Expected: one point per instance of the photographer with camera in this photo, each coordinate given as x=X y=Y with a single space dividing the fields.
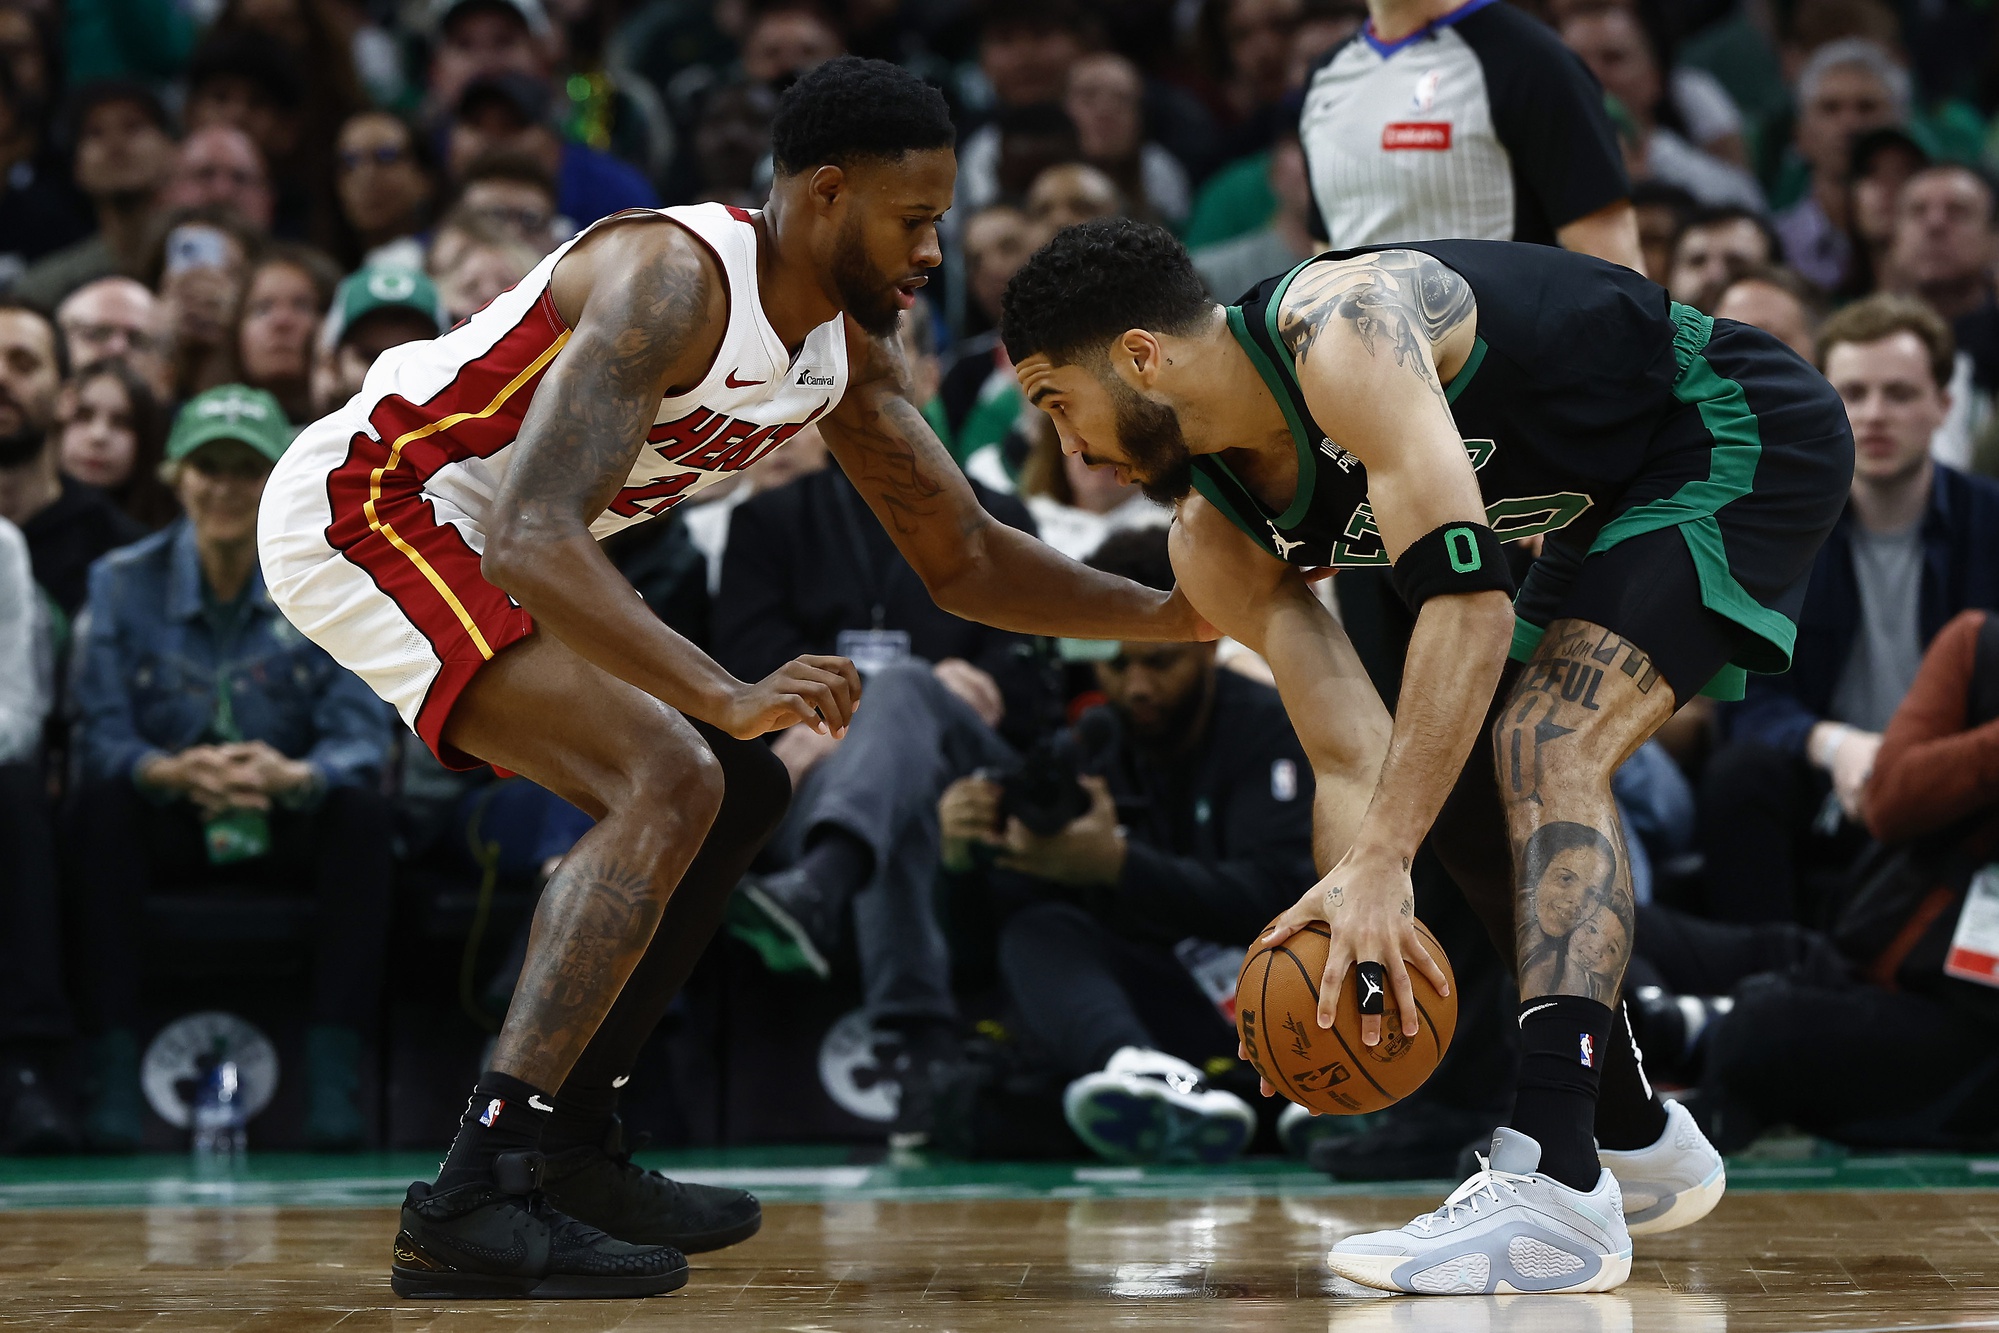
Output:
x=1128 y=863
x=807 y=569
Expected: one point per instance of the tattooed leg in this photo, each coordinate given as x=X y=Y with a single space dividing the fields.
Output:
x=653 y=784
x=1585 y=702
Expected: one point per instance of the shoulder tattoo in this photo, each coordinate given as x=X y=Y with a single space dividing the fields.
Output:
x=1399 y=301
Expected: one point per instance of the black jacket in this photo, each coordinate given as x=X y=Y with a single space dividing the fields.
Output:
x=1218 y=837
x=809 y=560
x=1960 y=572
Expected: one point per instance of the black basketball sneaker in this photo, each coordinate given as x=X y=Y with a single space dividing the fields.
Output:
x=601 y=1185
x=503 y=1240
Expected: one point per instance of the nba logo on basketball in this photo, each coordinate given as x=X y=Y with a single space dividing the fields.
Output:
x=1589 y=1052
x=494 y=1107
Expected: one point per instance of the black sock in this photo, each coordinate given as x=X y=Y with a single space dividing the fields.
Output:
x=1628 y=1114
x=1561 y=1055
x=837 y=864
x=503 y=1116
x=583 y=1113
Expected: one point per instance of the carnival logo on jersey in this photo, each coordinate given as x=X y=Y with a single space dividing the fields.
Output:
x=1423 y=135
x=702 y=442
x=812 y=379
x=1425 y=95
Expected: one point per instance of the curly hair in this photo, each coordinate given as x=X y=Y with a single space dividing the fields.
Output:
x=1094 y=281
x=849 y=109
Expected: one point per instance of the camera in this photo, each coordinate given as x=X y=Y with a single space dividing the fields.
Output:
x=1042 y=792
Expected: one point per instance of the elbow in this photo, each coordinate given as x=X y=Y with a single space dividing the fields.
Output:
x=506 y=565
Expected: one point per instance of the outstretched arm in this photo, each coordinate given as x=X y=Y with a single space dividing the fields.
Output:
x=974 y=565
x=646 y=307
x=1363 y=335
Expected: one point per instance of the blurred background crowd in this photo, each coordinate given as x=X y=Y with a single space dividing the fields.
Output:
x=1031 y=867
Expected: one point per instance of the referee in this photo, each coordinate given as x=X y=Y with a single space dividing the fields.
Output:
x=1444 y=120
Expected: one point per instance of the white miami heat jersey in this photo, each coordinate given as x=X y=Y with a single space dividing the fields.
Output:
x=436 y=421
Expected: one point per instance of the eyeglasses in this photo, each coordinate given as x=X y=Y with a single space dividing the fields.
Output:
x=382 y=155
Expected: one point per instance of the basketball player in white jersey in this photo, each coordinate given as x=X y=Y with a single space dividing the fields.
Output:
x=438 y=536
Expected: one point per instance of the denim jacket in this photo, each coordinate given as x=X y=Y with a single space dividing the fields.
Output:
x=146 y=664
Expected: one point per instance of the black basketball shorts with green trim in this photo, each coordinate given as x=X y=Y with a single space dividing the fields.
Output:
x=1747 y=478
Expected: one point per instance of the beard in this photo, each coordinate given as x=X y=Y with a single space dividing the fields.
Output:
x=1171 y=724
x=21 y=447
x=1149 y=433
x=866 y=293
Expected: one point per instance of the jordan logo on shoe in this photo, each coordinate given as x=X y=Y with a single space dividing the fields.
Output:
x=535 y=1101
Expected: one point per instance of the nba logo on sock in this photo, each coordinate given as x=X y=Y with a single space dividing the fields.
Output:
x=1589 y=1052
x=494 y=1107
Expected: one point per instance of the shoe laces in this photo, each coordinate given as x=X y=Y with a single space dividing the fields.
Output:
x=1485 y=1183
x=562 y=1228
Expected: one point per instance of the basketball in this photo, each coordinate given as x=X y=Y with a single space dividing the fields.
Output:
x=1330 y=1070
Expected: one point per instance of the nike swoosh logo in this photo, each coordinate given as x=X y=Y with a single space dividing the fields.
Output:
x=1535 y=1010
x=621 y=1080
x=538 y=1104
x=729 y=381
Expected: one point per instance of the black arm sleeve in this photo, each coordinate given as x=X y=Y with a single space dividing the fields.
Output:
x=1549 y=112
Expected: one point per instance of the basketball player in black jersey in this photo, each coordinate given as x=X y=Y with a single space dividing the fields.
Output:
x=1414 y=408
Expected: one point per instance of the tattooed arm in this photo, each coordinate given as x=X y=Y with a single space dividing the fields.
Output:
x=1367 y=336
x=647 y=307
x=973 y=565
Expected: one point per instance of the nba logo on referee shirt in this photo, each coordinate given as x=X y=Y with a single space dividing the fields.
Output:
x=494 y=1107
x=1589 y=1052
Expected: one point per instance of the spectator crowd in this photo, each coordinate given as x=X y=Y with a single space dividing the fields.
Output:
x=1038 y=862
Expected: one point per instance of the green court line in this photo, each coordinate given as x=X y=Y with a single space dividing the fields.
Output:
x=820 y=1175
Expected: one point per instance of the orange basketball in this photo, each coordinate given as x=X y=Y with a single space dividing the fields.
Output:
x=1329 y=1069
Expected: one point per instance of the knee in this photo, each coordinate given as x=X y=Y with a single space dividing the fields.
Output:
x=680 y=785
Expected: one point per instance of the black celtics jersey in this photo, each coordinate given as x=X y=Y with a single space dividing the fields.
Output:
x=1571 y=373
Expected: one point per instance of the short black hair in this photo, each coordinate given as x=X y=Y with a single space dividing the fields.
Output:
x=1094 y=281
x=1721 y=215
x=852 y=108
x=262 y=61
x=13 y=305
x=103 y=92
x=1978 y=176
x=1138 y=554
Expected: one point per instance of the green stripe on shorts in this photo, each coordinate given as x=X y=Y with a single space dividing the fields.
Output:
x=1738 y=448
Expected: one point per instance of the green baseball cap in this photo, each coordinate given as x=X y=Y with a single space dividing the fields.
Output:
x=380 y=287
x=231 y=412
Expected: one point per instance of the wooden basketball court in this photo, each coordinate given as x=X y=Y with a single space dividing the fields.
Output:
x=1011 y=1250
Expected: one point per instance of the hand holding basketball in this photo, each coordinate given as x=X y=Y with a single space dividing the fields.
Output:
x=1369 y=905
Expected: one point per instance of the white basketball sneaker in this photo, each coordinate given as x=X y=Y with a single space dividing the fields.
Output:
x=1674 y=1183
x=1148 y=1106
x=1506 y=1229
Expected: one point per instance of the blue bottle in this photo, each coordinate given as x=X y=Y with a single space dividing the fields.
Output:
x=219 y=1117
